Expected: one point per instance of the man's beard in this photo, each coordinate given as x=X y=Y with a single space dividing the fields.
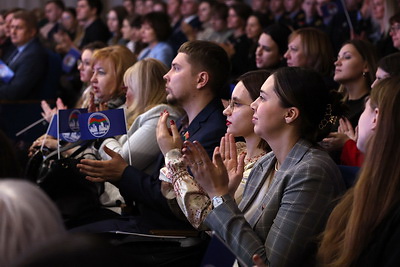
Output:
x=171 y=100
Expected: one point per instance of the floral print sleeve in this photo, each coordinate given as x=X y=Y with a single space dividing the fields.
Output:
x=191 y=198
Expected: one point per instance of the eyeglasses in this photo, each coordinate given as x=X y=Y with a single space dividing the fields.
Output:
x=85 y=63
x=395 y=28
x=233 y=104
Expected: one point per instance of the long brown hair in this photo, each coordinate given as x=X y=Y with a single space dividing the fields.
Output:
x=364 y=207
x=369 y=54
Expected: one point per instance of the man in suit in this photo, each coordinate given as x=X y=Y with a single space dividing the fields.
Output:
x=195 y=81
x=20 y=94
x=53 y=11
x=189 y=20
x=28 y=60
x=88 y=14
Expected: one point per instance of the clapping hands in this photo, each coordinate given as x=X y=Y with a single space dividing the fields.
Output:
x=220 y=176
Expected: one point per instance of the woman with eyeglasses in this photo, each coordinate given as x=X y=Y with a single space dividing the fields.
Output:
x=189 y=195
x=291 y=190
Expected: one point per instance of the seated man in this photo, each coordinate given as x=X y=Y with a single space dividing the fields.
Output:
x=28 y=61
x=195 y=82
x=20 y=91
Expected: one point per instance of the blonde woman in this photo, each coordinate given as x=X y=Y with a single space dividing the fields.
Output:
x=145 y=100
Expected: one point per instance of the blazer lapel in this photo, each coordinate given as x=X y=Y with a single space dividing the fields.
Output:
x=294 y=156
x=256 y=181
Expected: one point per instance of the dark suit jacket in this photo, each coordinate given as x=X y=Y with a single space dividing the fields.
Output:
x=145 y=190
x=177 y=38
x=292 y=213
x=97 y=31
x=29 y=73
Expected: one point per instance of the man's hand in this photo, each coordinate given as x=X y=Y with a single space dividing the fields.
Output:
x=102 y=171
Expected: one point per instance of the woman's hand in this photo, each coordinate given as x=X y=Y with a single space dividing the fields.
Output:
x=48 y=112
x=45 y=141
x=212 y=176
x=94 y=106
x=346 y=128
x=103 y=170
x=235 y=167
x=335 y=141
x=167 y=139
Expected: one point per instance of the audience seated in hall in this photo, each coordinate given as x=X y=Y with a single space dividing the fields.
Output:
x=180 y=185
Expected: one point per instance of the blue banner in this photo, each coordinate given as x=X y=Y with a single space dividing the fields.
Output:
x=102 y=124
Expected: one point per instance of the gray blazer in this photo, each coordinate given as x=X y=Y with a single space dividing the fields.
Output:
x=293 y=212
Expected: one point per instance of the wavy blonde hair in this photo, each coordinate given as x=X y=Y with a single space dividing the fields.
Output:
x=146 y=80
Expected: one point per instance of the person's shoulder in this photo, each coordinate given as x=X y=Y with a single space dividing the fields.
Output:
x=307 y=157
x=158 y=109
x=163 y=46
x=318 y=163
x=214 y=108
x=98 y=23
x=35 y=51
x=315 y=156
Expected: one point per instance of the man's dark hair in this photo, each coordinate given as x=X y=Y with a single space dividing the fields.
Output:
x=209 y=57
x=60 y=4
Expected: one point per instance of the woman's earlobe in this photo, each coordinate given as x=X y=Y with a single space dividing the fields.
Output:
x=375 y=119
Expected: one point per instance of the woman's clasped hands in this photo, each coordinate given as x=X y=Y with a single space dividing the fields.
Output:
x=220 y=176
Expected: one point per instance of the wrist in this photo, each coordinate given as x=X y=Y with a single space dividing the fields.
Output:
x=218 y=193
x=217 y=200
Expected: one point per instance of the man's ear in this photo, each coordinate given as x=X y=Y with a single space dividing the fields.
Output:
x=202 y=79
x=375 y=118
x=291 y=114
